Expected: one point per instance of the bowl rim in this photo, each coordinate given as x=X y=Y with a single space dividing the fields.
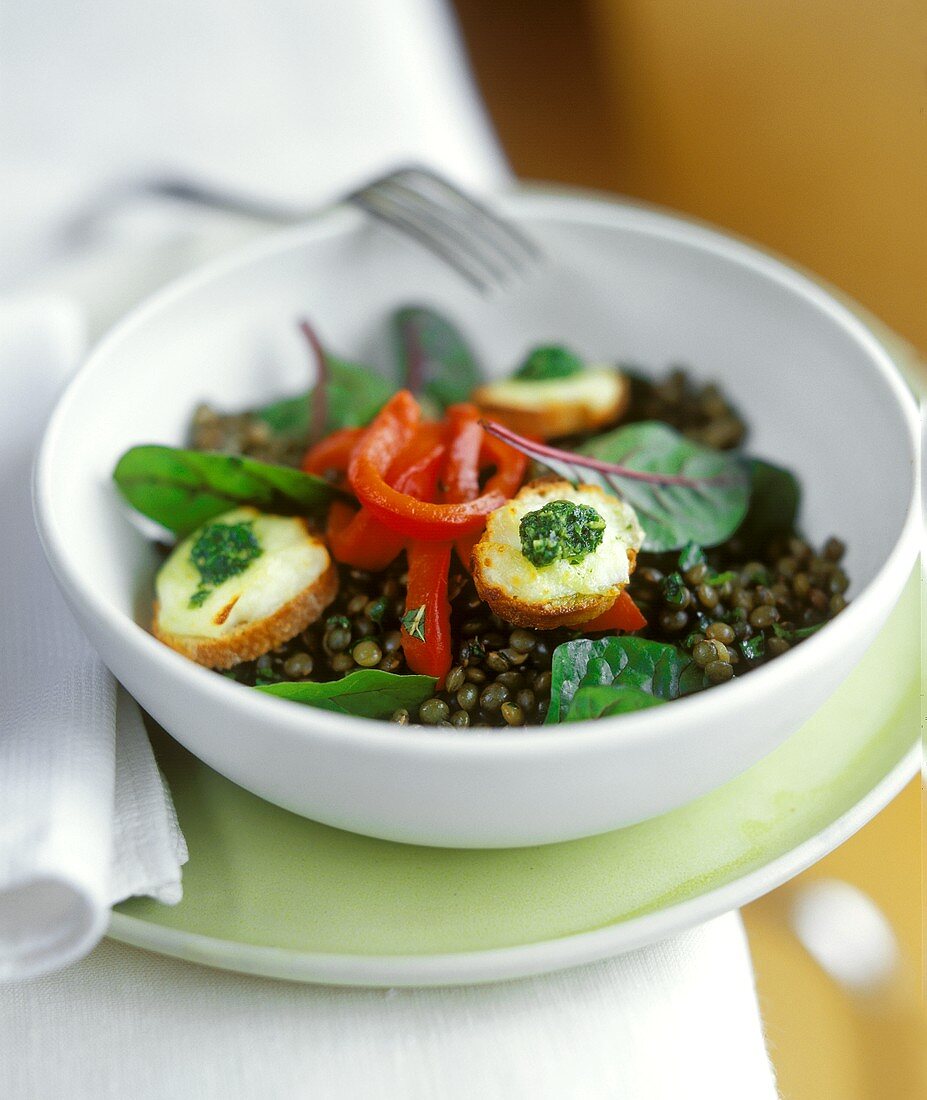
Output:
x=552 y=204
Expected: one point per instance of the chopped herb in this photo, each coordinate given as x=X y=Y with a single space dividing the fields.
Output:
x=753 y=648
x=413 y=622
x=561 y=530
x=703 y=621
x=544 y=364
x=717 y=579
x=691 y=555
x=221 y=551
x=474 y=650
x=674 y=589
x=795 y=634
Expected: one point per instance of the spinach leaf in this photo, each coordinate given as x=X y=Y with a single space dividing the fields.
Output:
x=706 y=505
x=603 y=701
x=183 y=489
x=433 y=358
x=367 y=692
x=353 y=396
x=775 y=496
x=658 y=670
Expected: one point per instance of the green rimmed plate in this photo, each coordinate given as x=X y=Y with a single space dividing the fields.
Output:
x=268 y=892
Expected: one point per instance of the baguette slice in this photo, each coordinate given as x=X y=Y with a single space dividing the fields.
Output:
x=550 y=409
x=283 y=589
x=561 y=593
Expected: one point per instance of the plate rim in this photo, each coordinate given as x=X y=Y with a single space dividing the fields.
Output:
x=522 y=960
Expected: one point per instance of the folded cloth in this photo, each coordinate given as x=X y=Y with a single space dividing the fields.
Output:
x=84 y=822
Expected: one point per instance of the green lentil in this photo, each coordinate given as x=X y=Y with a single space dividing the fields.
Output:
x=513 y=714
x=719 y=671
x=367 y=653
x=433 y=711
x=455 y=678
x=493 y=696
x=299 y=666
x=522 y=640
x=468 y=696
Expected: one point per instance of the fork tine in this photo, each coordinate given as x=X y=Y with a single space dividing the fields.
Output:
x=389 y=213
x=520 y=241
x=442 y=221
x=487 y=250
x=478 y=234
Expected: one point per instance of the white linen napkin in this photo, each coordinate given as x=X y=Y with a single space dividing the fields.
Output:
x=674 y=1021
x=84 y=822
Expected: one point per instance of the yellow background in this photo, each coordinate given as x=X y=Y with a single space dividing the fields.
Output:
x=801 y=124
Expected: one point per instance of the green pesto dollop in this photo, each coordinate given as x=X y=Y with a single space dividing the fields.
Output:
x=561 y=530
x=222 y=550
x=545 y=364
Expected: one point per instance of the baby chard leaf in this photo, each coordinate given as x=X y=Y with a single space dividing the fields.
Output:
x=704 y=498
x=433 y=358
x=183 y=489
x=354 y=394
x=366 y=692
x=775 y=497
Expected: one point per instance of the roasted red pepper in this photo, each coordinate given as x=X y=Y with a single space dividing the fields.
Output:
x=460 y=478
x=333 y=452
x=358 y=539
x=622 y=615
x=374 y=454
x=426 y=626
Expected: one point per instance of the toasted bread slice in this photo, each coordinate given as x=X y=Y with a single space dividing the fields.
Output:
x=561 y=593
x=283 y=582
x=549 y=409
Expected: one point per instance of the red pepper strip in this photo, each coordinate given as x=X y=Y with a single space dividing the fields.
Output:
x=333 y=452
x=464 y=547
x=401 y=512
x=622 y=615
x=358 y=539
x=427 y=646
x=510 y=465
x=469 y=447
x=460 y=478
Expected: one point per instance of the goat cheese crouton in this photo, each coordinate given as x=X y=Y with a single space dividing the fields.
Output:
x=558 y=582
x=241 y=585
x=555 y=407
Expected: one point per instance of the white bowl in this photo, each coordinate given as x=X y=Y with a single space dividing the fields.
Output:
x=821 y=394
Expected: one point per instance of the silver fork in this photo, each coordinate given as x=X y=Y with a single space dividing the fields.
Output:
x=486 y=249
x=490 y=251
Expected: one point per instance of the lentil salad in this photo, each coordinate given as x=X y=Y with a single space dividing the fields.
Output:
x=699 y=611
